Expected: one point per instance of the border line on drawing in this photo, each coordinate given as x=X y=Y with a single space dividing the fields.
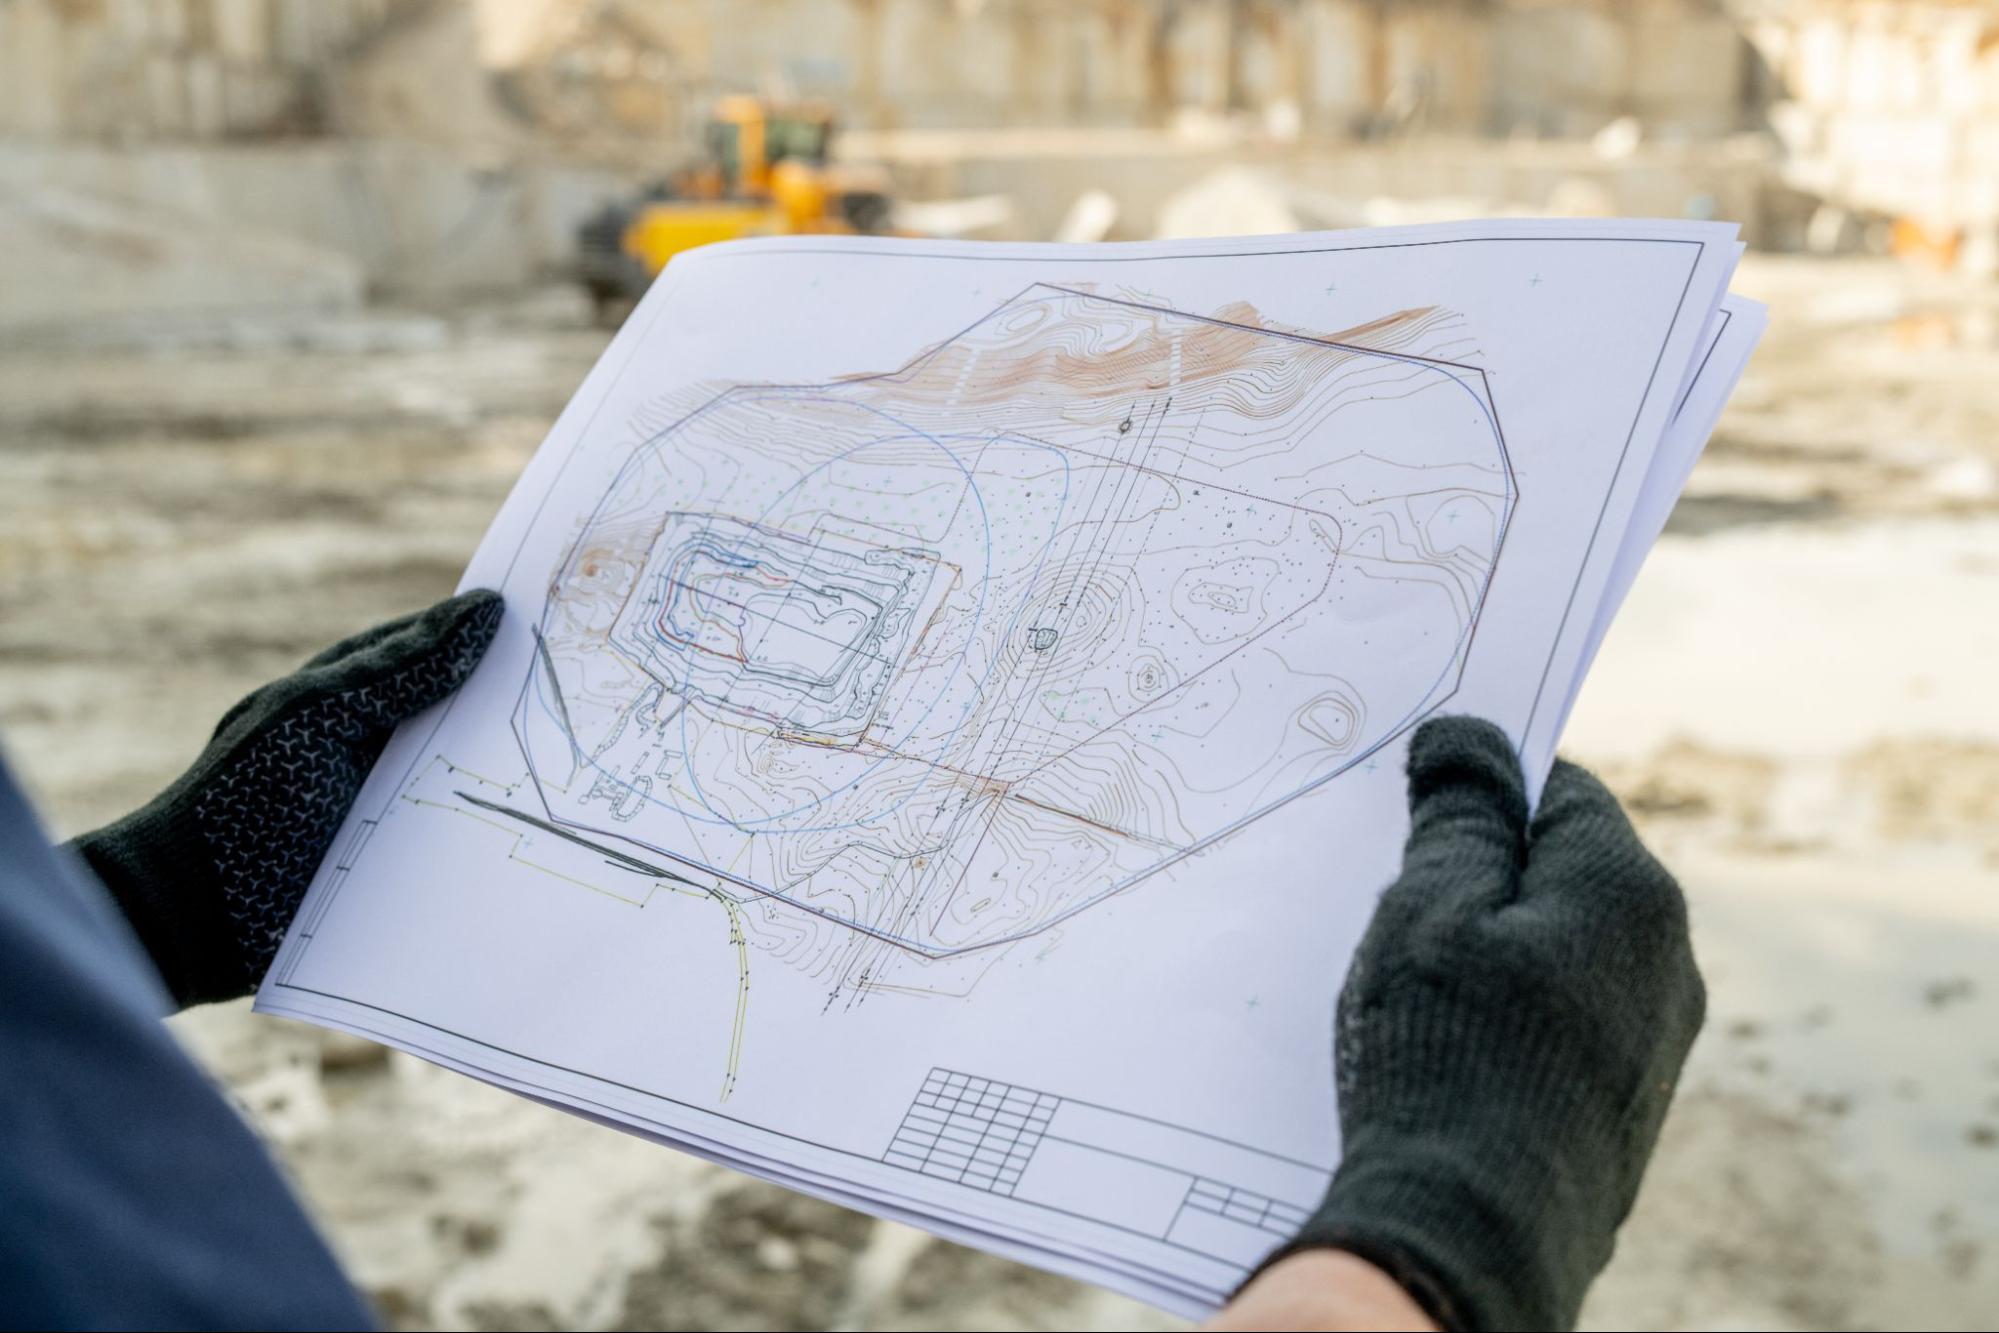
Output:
x=628 y=1117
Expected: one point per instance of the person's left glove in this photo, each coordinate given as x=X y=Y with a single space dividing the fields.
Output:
x=210 y=873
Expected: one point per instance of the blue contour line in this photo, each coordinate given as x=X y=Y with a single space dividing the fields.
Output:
x=666 y=622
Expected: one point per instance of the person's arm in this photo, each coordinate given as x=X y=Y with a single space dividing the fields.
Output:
x=131 y=1195
x=210 y=872
x=135 y=1197
x=1506 y=1044
x=1323 y=1289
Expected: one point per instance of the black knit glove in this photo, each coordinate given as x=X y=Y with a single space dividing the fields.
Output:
x=1507 y=1041
x=211 y=871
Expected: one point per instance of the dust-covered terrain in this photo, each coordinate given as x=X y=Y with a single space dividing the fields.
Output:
x=1796 y=705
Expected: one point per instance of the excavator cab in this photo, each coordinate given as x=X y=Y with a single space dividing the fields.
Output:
x=765 y=170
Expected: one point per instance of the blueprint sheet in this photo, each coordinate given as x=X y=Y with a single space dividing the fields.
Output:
x=946 y=736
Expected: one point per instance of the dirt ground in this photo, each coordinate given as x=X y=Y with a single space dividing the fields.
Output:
x=1796 y=705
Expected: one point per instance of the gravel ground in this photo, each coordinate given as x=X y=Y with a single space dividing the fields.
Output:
x=1796 y=706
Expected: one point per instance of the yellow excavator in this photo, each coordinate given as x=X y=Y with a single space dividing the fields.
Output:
x=766 y=170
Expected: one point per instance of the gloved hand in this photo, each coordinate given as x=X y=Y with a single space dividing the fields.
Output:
x=210 y=873
x=1507 y=1041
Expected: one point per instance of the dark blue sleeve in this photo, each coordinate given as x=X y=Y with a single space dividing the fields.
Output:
x=131 y=1195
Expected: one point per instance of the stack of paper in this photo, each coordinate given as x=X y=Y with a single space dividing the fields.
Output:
x=946 y=736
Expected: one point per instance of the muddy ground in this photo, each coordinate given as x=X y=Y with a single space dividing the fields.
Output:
x=1796 y=704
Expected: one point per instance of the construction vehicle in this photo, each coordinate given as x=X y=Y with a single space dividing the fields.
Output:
x=766 y=170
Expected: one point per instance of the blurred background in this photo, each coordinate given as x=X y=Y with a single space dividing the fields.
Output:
x=290 y=290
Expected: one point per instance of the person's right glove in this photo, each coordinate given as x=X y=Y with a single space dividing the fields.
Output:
x=1507 y=1041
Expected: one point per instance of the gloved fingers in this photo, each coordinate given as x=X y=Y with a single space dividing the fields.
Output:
x=1467 y=809
x=367 y=638
x=417 y=664
x=1574 y=794
x=1583 y=852
x=368 y=683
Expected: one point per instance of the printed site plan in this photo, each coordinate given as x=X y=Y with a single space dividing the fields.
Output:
x=945 y=739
